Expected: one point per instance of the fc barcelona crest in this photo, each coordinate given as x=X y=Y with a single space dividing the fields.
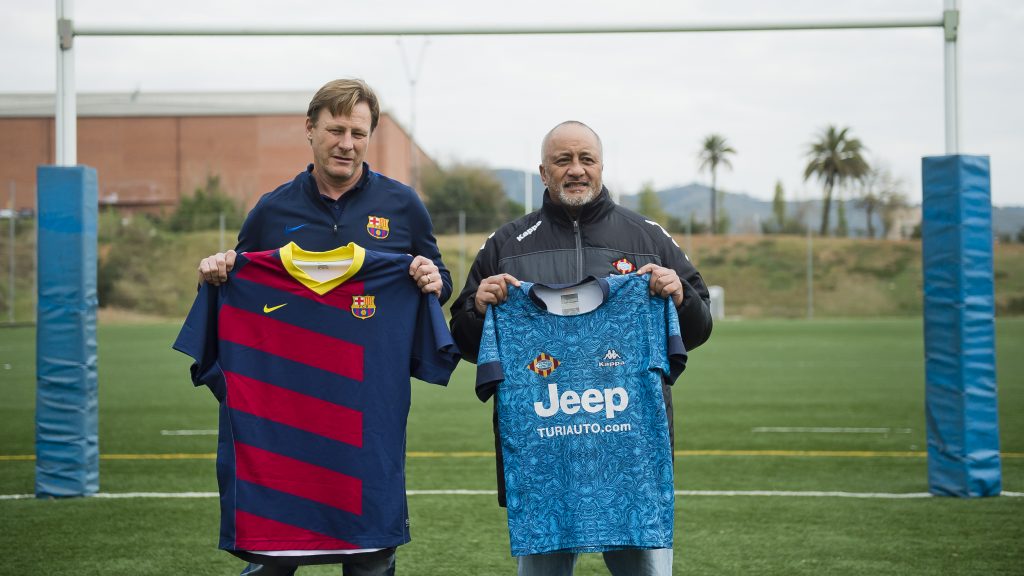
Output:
x=363 y=307
x=377 y=227
x=544 y=364
x=623 y=266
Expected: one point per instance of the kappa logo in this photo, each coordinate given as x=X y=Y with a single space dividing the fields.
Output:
x=544 y=364
x=377 y=227
x=269 y=309
x=363 y=307
x=529 y=231
x=611 y=359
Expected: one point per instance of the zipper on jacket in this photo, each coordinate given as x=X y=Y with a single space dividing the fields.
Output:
x=579 y=250
x=336 y=212
x=333 y=210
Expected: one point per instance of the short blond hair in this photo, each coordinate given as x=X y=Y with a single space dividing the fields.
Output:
x=341 y=96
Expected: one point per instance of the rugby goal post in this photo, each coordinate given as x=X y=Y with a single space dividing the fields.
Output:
x=958 y=302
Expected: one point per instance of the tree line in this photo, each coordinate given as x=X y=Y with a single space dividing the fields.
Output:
x=835 y=158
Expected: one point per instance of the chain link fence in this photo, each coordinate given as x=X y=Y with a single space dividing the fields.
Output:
x=146 y=268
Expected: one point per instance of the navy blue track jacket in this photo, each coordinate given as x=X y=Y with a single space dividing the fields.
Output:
x=378 y=213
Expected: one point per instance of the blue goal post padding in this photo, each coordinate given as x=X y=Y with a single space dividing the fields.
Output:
x=959 y=327
x=67 y=450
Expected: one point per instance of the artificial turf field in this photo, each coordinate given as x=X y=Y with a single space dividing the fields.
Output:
x=752 y=375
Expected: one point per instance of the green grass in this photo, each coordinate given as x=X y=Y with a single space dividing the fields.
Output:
x=852 y=373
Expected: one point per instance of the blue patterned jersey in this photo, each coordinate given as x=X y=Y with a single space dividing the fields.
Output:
x=581 y=416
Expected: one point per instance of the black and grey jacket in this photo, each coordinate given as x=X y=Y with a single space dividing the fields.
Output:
x=550 y=246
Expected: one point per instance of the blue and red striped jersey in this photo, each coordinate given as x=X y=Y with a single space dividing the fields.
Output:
x=310 y=355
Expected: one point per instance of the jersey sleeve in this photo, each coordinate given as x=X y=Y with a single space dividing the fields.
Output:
x=434 y=354
x=488 y=370
x=668 y=354
x=198 y=339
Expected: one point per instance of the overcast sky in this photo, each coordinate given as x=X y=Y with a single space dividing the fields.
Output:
x=652 y=98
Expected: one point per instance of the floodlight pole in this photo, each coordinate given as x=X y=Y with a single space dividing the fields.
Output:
x=11 y=291
x=527 y=192
x=413 y=75
x=810 y=269
x=66 y=115
x=950 y=26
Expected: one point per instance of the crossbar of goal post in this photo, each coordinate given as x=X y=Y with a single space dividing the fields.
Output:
x=67 y=31
x=963 y=460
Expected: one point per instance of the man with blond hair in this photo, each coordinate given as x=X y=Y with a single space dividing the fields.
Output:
x=335 y=201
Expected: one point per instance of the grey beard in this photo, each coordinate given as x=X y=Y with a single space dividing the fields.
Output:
x=576 y=201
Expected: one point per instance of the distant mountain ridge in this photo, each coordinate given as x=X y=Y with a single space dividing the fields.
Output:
x=746 y=212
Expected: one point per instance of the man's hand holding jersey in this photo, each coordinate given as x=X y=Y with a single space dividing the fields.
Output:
x=664 y=282
x=426 y=275
x=492 y=291
x=214 y=269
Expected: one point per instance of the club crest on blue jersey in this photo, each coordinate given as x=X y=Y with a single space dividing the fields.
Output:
x=544 y=364
x=363 y=307
x=623 y=266
x=377 y=227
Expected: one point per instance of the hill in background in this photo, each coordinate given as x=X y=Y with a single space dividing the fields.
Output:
x=746 y=212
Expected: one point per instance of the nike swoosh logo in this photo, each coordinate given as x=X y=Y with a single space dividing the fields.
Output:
x=288 y=230
x=269 y=309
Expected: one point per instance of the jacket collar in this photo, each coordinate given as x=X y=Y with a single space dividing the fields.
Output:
x=595 y=210
x=314 y=191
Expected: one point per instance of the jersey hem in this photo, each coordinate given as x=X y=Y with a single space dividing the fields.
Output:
x=577 y=548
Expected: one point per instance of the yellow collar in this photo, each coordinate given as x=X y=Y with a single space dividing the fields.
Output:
x=351 y=251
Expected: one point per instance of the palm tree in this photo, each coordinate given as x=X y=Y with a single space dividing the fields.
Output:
x=834 y=159
x=713 y=153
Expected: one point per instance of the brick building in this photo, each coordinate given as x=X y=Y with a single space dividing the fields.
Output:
x=149 y=150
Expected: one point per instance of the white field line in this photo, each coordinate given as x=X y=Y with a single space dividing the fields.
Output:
x=810 y=494
x=119 y=495
x=806 y=494
x=188 y=432
x=828 y=430
x=451 y=492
